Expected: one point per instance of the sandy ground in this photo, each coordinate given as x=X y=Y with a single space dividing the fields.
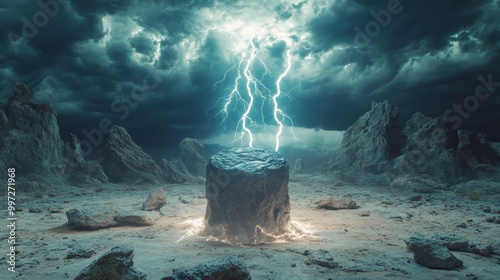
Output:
x=366 y=247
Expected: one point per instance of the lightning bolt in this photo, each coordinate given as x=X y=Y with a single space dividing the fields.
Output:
x=243 y=64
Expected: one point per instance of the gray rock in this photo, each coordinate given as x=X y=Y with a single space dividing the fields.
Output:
x=192 y=154
x=429 y=253
x=451 y=241
x=321 y=258
x=35 y=210
x=477 y=188
x=336 y=204
x=228 y=267
x=372 y=141
x=175 y=171
x=124 y=161
x=92 y=218
x=117 y=264
x=136 y=218
x=156 y=200
x=29 y=137
x=247 y=195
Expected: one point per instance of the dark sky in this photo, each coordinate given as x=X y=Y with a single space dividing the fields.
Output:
x=158 y=67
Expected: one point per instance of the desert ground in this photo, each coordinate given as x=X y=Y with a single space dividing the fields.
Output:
x=367 y=242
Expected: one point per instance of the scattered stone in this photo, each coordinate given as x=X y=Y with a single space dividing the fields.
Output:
x=80 y=252
x=497 y=220
x=125 y=162
x=35 y=210
x=55 y=210
x=228 y=267
x=415 y=198
x=364 y=214
x=136 y=218
x=93 y=218
x=156 y=200
x=336 y=204
x=431 y=254
x=321 y=258
x=481 y=249
x=491 y=219
x=487 y=210
x=192 y=153
x=183 y=201
x=417 y=184
x=247 y=195
x=461 y=225
x=387 y=202
x=117 y=264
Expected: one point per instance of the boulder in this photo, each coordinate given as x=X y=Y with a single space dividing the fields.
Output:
x=125 y=162
x=174 y=171
x=192 y=154
x=417 y=184
x=477 y=188
x=156 y=200
x=92 y=218
x=29 y=136
x=372 y=141
x=228 y=267
x=430 y=253
x=247 y=196
x=117 y=264
x=135 y=218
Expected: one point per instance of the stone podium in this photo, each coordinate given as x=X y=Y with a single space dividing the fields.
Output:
x=247 y=196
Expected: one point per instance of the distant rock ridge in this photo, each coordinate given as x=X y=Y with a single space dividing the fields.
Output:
x=426 y=149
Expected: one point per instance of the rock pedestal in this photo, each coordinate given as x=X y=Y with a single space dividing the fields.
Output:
x=247 y=193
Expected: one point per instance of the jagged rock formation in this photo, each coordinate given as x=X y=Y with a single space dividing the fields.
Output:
x=117 y=264
x=428 y=154
x=247 y=196
x=81 y=171
x=124 y=161
x=192 y=154
x=175 y=171
x=228 y=267
x=298 y=168
x=372 y=141
x=430 y=253
x=29 y=136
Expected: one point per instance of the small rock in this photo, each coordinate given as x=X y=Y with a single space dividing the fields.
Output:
x=415 y=198
x=183 y=201
x=487 y=210
x=461 y=225
x=364 y=214
x=431 y=254
x=336 y=204
x=481 y=249
x=293 y=265
x=321 y=258
x=35 y=210
x=387 y=202
x=497 y=221
x=228 y=267
x=156 y=200
x=80 y=252
x=113 y=265
x=491 y=219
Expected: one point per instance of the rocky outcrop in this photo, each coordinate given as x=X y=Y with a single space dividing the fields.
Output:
x=82 y=172
x=247 y=196
x=299 y=168
x=228 y=267
x=117 y=264
x=125 y=162
x=372 y=141
x=29 y=136
x=192 y=154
